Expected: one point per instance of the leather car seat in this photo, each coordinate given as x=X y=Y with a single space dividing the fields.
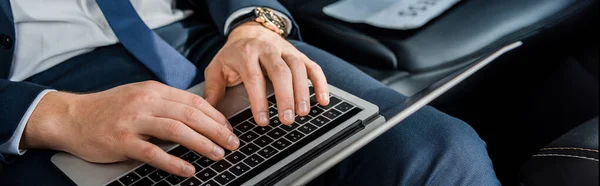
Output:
x=411 y=60
x=572 y=159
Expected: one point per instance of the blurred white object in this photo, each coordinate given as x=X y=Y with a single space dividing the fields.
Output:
x=391 y=14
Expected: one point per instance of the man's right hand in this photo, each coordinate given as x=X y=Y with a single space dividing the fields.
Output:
x=114 y=125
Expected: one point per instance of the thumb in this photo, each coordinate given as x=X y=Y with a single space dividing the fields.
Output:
x=214 y=85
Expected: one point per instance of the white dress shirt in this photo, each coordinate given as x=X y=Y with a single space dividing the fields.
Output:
x=50 y=32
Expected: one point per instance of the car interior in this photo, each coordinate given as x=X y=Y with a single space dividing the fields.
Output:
x=535 y=107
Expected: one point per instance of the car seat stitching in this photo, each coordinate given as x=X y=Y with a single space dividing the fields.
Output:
x=564 y=155
x=568 y=148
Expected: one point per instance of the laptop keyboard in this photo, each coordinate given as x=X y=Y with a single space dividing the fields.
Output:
x=260 y=147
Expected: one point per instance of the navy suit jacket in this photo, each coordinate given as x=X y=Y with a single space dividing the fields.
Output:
x=16 y=97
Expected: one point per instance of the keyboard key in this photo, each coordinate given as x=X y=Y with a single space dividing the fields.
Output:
x=262 y=130
x=276 y=133
x=289 y=127
x=344 y=107
x=197 y=167
x=158 y=175
x=205 y=162
x=162 y=183
x=239 y=169
x=315 y=111
x=249 y=149
x=332 y=102
x=320 y=121
x=115 y=183
x=313 y=100
x=272 y=99
x=263 y=141
x=224 y=178
x=237 y=132
x=174 y=179
x=144 y=170
x=272 y=111
x=245 y=126
x=311 y=90
x=211 y=183
x=191 y=182
x=267 y=152
x=248 y=136
x=227 y=152
x=302 y=119
x=242 y=116
x=206 y=174
x=294 y=136
x=331 y=114
x=281 y=144
x=178 y=151
x=129 y=178
x=254 y=160
x=220 y=166
x=143 y=182
x=190 y=157
x=275 y=121
x=235 y=157
x=307 y=129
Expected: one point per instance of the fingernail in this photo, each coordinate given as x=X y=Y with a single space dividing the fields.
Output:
x=303 y=106
x=188 y=169
x=325 y=97
x=233 y=141
x=263 y=118
x=218 y=152
x=288 y=115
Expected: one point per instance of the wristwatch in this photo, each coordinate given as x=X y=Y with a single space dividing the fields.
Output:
x=266 y=17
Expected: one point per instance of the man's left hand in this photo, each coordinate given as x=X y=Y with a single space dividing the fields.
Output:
x=251 y=52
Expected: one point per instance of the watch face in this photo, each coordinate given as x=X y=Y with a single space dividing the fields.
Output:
x=271 y=20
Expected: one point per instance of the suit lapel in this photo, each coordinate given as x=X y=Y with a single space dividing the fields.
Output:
x=5 y=6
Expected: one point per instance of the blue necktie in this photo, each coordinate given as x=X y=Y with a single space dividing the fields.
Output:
x=163 y=60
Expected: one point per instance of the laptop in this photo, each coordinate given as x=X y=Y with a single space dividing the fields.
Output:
x=277 y=154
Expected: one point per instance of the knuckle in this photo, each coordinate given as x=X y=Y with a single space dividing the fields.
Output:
x=149 y=83
x=255 y=76
x=142 y=97
x=294 y=61
x=190 y=113
x=121 y=136
x=222 y=132
x=198 y=101
x=314 y=66
x=281 y=69
x=128 y=118
x=149 y=153
x=174 y=129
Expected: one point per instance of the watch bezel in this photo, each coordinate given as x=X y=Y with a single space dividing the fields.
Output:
x=270 y=20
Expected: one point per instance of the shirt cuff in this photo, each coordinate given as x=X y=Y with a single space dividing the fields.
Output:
x=246 y=10
x=12 y=145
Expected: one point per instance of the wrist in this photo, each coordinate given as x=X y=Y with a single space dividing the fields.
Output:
x=48 y=125
x=250 y=29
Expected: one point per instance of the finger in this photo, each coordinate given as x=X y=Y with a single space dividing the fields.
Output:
x=280 y=75
x=300 y=79
x=254 y=82
x=319 y=82
x=177 y=132
x=153 y=155
x=214 y=84
x=190 y=117
x=193 y=100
